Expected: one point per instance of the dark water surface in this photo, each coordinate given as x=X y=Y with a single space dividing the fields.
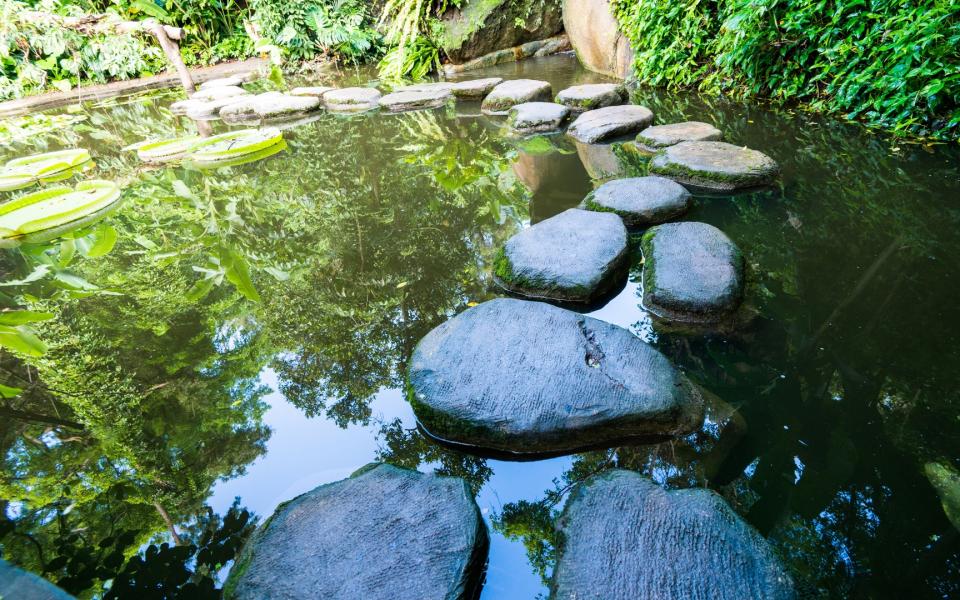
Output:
x=246 y=338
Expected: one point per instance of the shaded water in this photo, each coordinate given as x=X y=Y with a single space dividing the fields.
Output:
x=246 y=338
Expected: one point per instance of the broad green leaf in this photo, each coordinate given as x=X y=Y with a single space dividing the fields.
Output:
x=238 y=273
x=199 y=290
x=7 y=391
x=106 y=239
x=20 y=317
x=39 y=273
x=22 y=340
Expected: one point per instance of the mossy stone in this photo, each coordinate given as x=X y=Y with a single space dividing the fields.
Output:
x=715 y=166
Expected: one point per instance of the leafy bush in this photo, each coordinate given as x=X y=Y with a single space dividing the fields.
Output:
x=335 y=28
x=894 y=64
x=411 y=30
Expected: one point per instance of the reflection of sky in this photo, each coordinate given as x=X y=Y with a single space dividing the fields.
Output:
x=303 y=453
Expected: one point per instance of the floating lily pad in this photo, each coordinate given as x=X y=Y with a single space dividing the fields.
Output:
x=234 y=144
x=22 y=172
x=53 y=209
x=240 y=160
x=166 y=150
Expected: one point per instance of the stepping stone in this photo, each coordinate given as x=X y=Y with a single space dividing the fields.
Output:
x=181 y=107
x=232 y=80
x=354 y=99
x=510 y=93
x=692 y=272
x=611 y=122
x=537 y=117
x=475 y=89
x=216 y=93
x=576 y=256
x=416 y=100
x=383 y=533
x=654 y=138
x=211 y=109
x=715 y=166
x=641 y=201
x=430 y=86
x=316 y=91
x=23 y=585
x=270 y=105
x=626 y=538
x=530 y=378
x=592 y=96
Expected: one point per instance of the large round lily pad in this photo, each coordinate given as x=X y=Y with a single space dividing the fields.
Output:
x=524 y=377
x=22 y=172
x=576 y=256
x=715 y=166
x=641 y=201
x=233 y=144
x=54 y=207
x=383 y=533
x=626 y=538
x=166 y=150
x=516 y=91
x=609 y=123
x=692 y=272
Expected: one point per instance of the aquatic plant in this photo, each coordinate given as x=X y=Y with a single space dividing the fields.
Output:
x=21 y=172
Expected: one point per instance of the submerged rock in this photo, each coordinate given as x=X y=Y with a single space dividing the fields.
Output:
x=354 y=99
x=531 y=378
x=626 y=538
x=517 y=91
x=315 y=91
x=217 y=93
x=416 y=100
x=17 y=584
x=604 y=124
x=715 y=166
x=537 y=117
x=271 y=105
x=591 y=96
x=654 y=138
x=641 y=201
x=383 y=533
x=475 y=89
x=692 y=272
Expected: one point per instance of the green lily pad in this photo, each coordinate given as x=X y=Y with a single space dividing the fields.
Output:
x=234 y=144
x=239 y=160
x=54 y=208
x=166 y=150
x=22 y=172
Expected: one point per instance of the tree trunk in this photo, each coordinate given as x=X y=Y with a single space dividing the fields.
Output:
x=172 y=50
x=25 y=415
x=170 y=526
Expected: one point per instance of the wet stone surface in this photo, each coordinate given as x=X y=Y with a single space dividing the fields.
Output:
x=591 y=96
x=641 y=201
x=270 y=105
x=416 y=100
x=354 y=99
x=575 y=256
x=525 y=377
x=316 y=91
x=537 y=117
x=626 y=538
x=383 y=533
x=517 y=91
x=475 y=89
x=715 y=165
x=609 y=123
x=654 y=138
x=692 y=272
x=218 y=92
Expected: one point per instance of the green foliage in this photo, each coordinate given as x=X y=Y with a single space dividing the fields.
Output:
x=334 y=28
x=891 y=64
x=412 y=32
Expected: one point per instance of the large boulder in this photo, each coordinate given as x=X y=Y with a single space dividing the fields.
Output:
x=596 y=37
x=641 y=201
x=609 y=123
x=383 y=533
x=627 y=538
x=576 y=256
x=516 y=91
x=21 y=585
x=692 y=272
x=480 y=27
x=530 y=378
x=715 y=166
x=537 y=117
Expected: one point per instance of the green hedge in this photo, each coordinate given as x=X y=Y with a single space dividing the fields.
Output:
x=893 y=64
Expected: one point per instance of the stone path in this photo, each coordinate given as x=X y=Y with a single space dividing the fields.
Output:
x=641 y=201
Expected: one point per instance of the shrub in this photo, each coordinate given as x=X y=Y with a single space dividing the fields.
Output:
x=336 y=28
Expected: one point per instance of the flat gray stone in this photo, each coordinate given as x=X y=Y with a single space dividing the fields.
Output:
x=592 y=96
x=217 y=93
x=537 y=117
x=181 y=107
x=203 y=110
x=316 y=91
x=654 y=138
x=354 y=99
x=692 y=272
x=15 y=583
x=576 y=256
x=270 y=105
x=475 y=89
x=604 y=124
x=383 y=533
x=715 y=166
x=626 y=538
x=428 y=86
x=641 y=201
x=232 y=80
x=530 y=378
x=416 y=100
x=517 y=91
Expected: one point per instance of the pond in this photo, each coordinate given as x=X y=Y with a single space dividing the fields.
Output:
x=243 y=332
